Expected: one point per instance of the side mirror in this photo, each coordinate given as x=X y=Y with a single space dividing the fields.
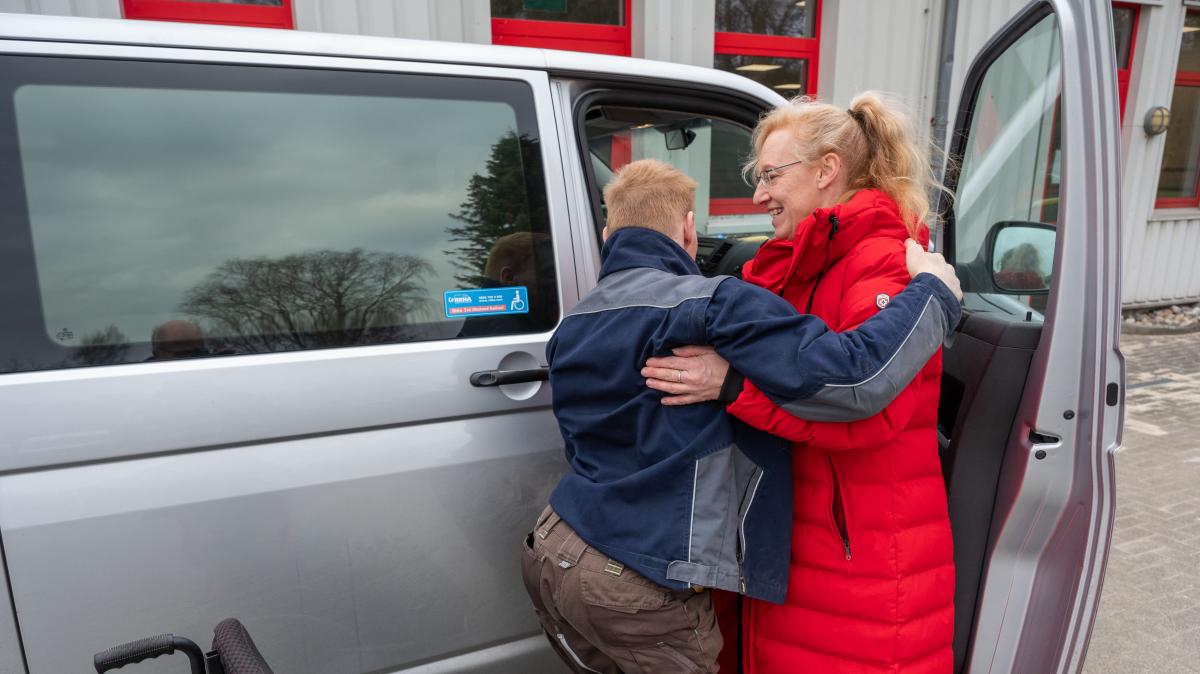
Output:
x=679 y=139
x=1021 y=257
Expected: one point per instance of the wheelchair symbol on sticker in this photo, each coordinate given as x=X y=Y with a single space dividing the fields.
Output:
x=518 y=304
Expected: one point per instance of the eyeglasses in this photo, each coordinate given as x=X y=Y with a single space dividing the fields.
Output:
x=766 y=178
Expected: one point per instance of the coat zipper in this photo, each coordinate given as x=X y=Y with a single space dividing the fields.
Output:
x=838 y=506
x=833 y=229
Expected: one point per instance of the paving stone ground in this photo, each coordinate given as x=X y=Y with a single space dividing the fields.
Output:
x=1149 y=617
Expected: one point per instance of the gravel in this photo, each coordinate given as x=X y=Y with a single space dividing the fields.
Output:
x=1177 y=316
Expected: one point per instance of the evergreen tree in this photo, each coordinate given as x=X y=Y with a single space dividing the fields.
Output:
x=508 y=198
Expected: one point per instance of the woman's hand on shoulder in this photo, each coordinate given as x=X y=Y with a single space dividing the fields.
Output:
x=921 y=261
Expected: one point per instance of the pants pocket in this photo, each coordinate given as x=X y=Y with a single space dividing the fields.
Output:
x=662 y=657
x=628 y=593
x=531 y=572
x=662 y=629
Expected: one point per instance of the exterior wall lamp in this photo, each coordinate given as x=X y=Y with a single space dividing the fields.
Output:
x=1157 y=120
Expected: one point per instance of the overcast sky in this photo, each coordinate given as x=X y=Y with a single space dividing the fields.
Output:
x=136 y=194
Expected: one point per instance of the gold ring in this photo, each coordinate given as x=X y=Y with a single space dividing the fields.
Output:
x=678 y=376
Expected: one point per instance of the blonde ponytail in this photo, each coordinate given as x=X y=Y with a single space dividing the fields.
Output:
x=875 y=139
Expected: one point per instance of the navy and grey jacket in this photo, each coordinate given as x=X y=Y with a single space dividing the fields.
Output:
x=686 y=495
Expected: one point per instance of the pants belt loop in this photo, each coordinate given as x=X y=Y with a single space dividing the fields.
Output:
x=570 y=550
x=551 y=520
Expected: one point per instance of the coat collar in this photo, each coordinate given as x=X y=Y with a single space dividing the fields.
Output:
x=632 y=247
x=824 y=237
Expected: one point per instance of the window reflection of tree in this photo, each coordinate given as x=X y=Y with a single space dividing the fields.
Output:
x=506 y=221
x=102 y=347
x=501 y=201
x=316 y=299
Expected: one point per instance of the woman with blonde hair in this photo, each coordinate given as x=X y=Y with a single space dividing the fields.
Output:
x=871 y=583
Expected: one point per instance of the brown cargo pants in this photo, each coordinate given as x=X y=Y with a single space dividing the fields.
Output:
x=603 y=617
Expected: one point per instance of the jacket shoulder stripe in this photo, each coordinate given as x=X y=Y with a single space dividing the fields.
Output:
x=858 y=400
x=645 y=287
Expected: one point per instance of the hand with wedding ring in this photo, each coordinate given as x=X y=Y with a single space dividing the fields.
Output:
x=694 y=374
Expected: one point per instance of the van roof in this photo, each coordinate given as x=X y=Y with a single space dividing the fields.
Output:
x=185 y=35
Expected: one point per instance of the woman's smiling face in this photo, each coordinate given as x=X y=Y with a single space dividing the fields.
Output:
x=792 y=193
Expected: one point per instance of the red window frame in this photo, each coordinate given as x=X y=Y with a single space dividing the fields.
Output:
x=776 y=45
x=749 y=44
x=190 y=11
x=567 y=35
x=1124 y=68
x=1183 y=79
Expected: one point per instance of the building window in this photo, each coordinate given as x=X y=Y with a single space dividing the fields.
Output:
x=597 y=26
x=1180 y=173
x=773 y=42
x=256 y=13
x=1125 y=20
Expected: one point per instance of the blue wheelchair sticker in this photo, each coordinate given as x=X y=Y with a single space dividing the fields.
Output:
x=486 y=302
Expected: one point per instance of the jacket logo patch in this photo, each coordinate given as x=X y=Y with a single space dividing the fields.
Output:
x=882 y=300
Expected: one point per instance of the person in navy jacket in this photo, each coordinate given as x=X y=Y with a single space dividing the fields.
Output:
x=663 y=502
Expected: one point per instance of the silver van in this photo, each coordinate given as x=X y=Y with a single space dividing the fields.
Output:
x=274 y=306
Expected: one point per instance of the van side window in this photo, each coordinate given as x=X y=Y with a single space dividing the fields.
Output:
x=156 y=211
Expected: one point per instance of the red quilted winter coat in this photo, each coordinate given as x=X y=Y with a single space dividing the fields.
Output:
x=872 y=567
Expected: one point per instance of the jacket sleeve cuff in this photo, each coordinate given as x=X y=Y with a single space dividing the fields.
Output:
x=732 y=388
x=950 y=304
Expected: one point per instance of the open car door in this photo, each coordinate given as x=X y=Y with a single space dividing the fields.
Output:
x=1032 y=398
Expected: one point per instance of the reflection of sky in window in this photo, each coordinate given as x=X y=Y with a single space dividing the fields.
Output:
x=136 y=194
x=1004 y=166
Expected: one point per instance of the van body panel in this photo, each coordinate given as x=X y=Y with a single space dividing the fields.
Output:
x=345 y=552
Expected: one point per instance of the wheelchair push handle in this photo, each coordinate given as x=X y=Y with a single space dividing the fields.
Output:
x=149 y=648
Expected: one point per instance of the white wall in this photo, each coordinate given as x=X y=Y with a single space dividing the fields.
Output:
x=450 y=20
x=1161 y=259
x=104 y=9
x=891 y=46
x=680 y=31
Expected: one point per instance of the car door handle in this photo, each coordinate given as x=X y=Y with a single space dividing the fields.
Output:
x=502 y=377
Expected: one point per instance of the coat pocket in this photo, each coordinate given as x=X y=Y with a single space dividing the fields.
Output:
x=837 y=510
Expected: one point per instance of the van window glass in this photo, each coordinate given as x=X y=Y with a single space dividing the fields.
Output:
x=711 y=151
x=173 y=210
x=1010 y=173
